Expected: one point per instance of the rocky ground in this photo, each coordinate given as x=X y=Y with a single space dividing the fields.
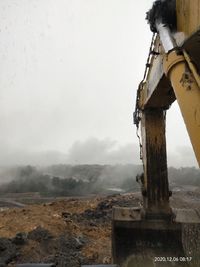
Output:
x=67 y=232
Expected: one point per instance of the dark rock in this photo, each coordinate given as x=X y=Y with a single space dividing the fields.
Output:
x=83 y=239
x=8 y=251
x=20 y=239
x=92 y=224
x=39 y=234
x=69 y=254
x=66 y=214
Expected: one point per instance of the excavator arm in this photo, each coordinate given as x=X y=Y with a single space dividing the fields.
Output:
x=172 y=73
x=180 y=69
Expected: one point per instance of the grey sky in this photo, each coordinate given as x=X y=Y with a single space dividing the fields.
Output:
x=69 y=72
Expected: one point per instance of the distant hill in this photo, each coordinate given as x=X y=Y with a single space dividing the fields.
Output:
x=69 y=180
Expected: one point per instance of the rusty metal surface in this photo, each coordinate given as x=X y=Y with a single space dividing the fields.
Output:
x=188 y=16
x=139 y=242
x=192 y=47
x=159 y=93
x=156 y=199
x=126 y=214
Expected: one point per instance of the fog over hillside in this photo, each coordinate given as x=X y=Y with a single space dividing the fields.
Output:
x=74 y=180
x=92 y=151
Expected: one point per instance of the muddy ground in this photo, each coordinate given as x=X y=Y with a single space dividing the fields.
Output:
x=68 y=232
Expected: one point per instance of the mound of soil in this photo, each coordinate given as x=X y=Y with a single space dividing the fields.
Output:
x=66 y=232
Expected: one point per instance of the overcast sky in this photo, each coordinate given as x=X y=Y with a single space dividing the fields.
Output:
x=69 y=71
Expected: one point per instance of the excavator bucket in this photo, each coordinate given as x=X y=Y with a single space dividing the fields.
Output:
x=138 y=242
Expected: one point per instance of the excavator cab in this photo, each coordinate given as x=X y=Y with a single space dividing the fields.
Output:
x=157 y=234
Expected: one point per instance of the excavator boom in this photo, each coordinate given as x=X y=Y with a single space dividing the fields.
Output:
x=157 y=231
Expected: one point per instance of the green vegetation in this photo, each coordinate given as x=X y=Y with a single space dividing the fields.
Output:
x=68 y=180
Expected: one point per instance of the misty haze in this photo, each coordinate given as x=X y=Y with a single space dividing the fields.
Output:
x=68 y=83
x=75 y=172
x=70 y=71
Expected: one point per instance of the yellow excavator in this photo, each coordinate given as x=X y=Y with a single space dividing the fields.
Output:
x=157 y=234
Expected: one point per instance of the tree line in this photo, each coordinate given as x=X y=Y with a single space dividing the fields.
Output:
x=68 y=180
